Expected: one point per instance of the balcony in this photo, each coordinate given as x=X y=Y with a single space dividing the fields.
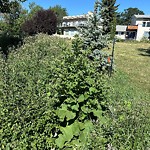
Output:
x=72 y=24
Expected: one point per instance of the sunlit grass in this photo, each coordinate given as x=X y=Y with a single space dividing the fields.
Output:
x=134 y=60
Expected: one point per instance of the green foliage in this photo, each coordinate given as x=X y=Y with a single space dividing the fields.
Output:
x=13 y=21
x=94 y=39
x=8 y=43
x=26 y=116
x=10 y=26
x=108 y=16
x=44 y=21
x=60 y=13
x=81 y=94
x=92 y=35
x=130 y=122
x=53 y=97
x=6 y=5
x=33 y=9
x=124 y=18
x=50 y=96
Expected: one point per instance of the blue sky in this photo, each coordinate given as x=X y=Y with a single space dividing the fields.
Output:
x=79 y=7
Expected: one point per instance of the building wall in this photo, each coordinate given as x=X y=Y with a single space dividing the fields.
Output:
x=121 y=35
x=71 y=22
x=70 y=32
x=143 y=30
x=70 y=25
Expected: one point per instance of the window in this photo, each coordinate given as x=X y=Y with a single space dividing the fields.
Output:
x=122 y=33
x=116 y=33
x=143 y=24
x=148 y=24
x=64 y=24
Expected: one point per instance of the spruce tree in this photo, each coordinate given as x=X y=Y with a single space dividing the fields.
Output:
x=108 y=15
x=93 y=36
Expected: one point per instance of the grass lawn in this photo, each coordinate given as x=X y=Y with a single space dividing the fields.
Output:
x=132 y=78
x=131 y=85
x=134 y=60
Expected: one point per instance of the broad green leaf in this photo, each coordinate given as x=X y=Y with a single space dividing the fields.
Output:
x=81 y=98
x=82 y=116
x=84 y=109
x=76 y=128
x=93 y=90
x=67 y=132
x=97 y=113
x=70 y=115
x=75 y=107
x=86 y=96
x=62 y=113
x=48 y=94
x=88 y=126
x=8 y=146
x=60 y=141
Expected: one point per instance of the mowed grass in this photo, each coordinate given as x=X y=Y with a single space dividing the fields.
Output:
x=134 y=60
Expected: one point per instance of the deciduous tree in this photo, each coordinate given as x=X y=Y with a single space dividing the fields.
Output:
x=33 y=9
x=44 y=21
x=6 y=5
x=60 y=13
x=124 y=17
x=13 y=20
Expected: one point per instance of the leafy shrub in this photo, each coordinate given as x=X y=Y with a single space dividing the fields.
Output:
x=8 y=42
x=50 y=96
x=44 y=21
x=26 y=116
x=81 y=94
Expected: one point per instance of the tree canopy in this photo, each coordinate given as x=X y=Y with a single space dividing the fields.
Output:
x=60 y=12
x=33 y=9
x=44 y=21
x=6 y=5
x=124 y=17
x=108 y=15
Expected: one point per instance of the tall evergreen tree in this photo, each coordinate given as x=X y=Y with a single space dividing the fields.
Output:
x=108 y=15
x=92 y=33
x=93 y=37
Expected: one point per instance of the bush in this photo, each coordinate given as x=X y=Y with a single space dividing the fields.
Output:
x=26 y=116
x=44 y=21
x=8 y=42
x=50 y=96
x=82 y=97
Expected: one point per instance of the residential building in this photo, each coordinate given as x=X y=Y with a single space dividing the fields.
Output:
x=71 y=23
x=143 y=23
x=139 y=28
x=121 y=31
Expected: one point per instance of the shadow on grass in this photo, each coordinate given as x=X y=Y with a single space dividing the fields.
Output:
x=145 y=52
